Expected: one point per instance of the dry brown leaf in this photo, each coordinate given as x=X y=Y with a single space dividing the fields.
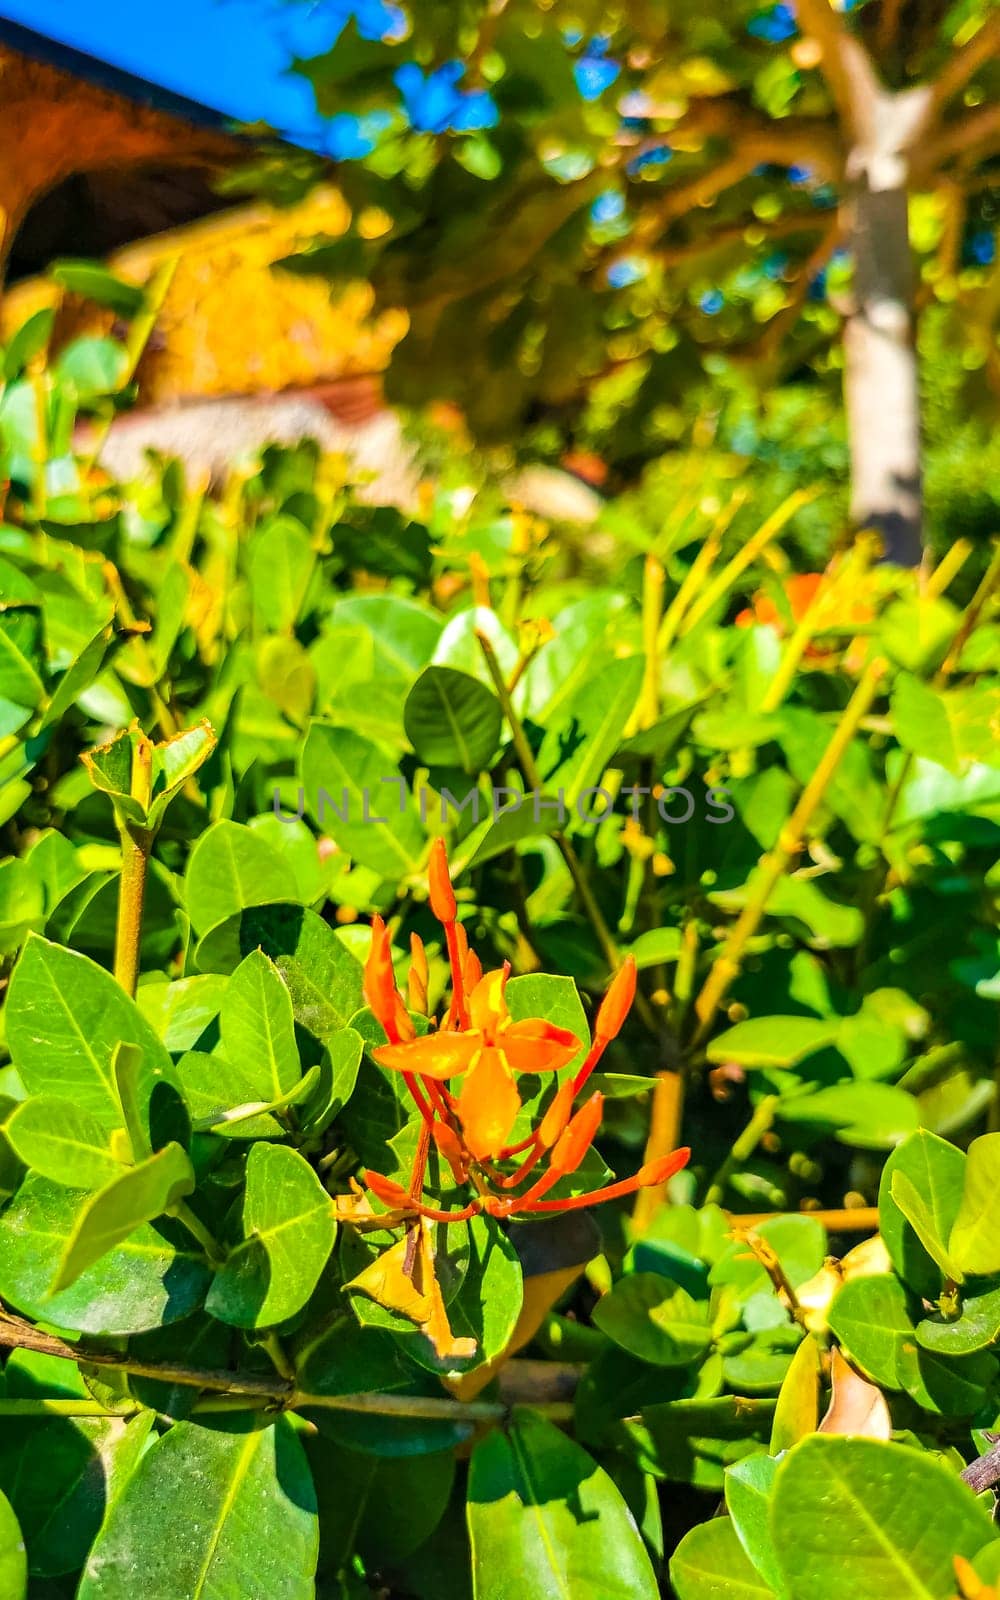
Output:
x=856 y=1406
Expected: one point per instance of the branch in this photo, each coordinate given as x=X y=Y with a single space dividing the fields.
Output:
x=770 y=338
x=888 y=25
x=844 y=63
x=276 y=1393
x=984 y=1473
x=963 y=64
x=976 y=135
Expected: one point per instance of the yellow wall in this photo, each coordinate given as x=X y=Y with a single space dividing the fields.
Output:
x=230 y=324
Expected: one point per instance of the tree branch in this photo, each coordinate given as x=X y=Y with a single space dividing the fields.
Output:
x=963 y=64
x=771 y=337
x=888 y=25
x=976 y=135
x=273 y=1392
x=844 y=63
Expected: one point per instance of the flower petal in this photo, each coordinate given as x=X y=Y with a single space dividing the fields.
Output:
x=538 y=1046
x=488 y=1106
x=436 y=1055
x=487 y=1002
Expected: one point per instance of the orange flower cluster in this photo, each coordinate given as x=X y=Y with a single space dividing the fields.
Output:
x=480 y=1043
x=801 y=591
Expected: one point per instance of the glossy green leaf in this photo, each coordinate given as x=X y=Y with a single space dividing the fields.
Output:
x=65 y=1019
x=918 y=1214
x=545 y=1520
x=288 y=1229
x=13 y=1560
x=229 y=869
x=357 y=795
x=975 y=1235
x=710 y=1563
x=859 y=1516
x=773 y=1041
x=936 y=1169
x=452 y=720
x=976 y=1328
x=250 y=1530
x=749 y=1487
x=647 y=1316
x=155 y=1275
x=258 y=1026
x=56 y=1139
x=136 y=1196
x=62 y=1475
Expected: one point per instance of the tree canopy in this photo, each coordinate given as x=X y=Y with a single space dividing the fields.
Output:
x=564 y=194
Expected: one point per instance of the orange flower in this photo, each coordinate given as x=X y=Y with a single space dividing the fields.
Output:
x=480 y=1042
x=800 y=591
x=488 y=1053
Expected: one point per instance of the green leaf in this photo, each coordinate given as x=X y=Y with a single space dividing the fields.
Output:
x=324 y=979
x=647 y=1316
x=546 y=1521
x=282 y=560
x=976 y=1328
x=855 y=1517
x=452 y=720
x=874 y=1116
x=29 y=341
x=95 y=282
x=229 y=869
x=693 y=1441
x=871 y=1319
x=797 y=1410
x=93 y=367
x=749 y=1486
x=251 y=1530
x=773 y=1041
x=918 y=1214
x=19 y=679
x=922 y=724
x=936 y=1169
x=257 y=1025
x=288 y=1229
x=357 y=795
x=488 y=1303
x=59 y=1141
x=975 y=1235
x=156 y=1275
x=13 y=1560
x=228 y=1121
x=579 y=743
x=138 y=1195
x=66 y=1017
x=710 y=1563
x=61 y=1476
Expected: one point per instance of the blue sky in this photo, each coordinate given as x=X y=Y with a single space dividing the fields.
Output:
x=230 y=55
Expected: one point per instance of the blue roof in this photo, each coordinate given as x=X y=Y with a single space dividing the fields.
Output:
x=215 y=59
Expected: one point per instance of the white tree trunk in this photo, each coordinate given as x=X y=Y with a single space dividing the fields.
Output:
x=880 y=376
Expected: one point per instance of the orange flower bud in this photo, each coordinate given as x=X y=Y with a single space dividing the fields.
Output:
x=390 y=1193
x=557 y=1116
x=416 y=985
x=379 y=986
x=617 y=1003
x=578 y=1137
x=442 y=895
x=450 y=1146
x=659 y=1171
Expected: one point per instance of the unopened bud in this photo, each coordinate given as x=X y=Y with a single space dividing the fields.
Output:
x=578 y=1137
x=617 y=1003
x=442 y=896
x=557 y=1116
x=659 y=1171
x=416 y=983
x=390 y=1193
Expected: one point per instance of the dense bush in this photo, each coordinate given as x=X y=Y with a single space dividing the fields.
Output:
x=246 y=1355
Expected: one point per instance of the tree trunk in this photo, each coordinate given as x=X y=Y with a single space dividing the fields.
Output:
x=880 y=360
